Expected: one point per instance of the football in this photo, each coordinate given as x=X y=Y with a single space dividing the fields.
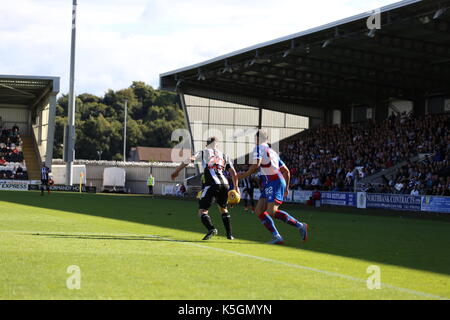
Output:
x=233 y=197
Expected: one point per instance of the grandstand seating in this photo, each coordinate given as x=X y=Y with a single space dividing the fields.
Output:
x=12 y=162
x=330 y=157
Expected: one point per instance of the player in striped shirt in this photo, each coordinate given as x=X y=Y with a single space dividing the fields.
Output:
x=248 y=186
x=275 y=178
x=215 y=187
x=45 y=177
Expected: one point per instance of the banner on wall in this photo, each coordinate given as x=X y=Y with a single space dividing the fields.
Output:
x=338 y=198
x=436 y=204
x=301 y=196
x=393 y=201
x=61 y=188
x=14 y=185
x=168 y=189
x=361 y=200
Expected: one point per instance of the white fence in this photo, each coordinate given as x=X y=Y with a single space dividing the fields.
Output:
x=136 y=174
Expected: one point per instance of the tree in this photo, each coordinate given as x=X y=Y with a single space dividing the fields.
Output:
x=152 y=116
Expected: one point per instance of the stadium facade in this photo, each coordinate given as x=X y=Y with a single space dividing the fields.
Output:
x=358 y=69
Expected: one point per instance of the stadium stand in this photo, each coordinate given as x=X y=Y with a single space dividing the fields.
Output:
x=27 y=124
x=338 y=73
x=12 y=163
x=325 y=158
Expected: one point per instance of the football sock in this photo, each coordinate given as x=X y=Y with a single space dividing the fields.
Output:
x=226 y=218
x=267 y=221
x=206 y=220
x=285 y=217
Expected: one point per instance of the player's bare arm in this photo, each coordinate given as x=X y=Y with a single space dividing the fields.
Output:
x=181 y=167
x=234 y=177
x=287 y=176
x=253 y=168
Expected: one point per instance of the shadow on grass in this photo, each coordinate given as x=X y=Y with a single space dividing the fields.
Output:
x=119 y=237
x=375 y=237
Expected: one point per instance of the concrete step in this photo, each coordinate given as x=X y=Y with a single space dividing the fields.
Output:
x=31 y=160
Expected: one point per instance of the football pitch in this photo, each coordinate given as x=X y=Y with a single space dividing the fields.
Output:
x=137 y=247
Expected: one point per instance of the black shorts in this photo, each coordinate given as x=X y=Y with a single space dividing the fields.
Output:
x=44 y=182
x=249 y=191
x=219 y=193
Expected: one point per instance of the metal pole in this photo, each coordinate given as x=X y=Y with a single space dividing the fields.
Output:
x=125 y=133
x=71 y=111
x=188 y=124
x=260 y=118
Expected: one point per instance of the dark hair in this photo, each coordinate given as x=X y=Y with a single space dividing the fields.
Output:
x=211 y=140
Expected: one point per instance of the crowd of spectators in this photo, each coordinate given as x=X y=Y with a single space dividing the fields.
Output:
x=12 y=163
x=331 y=157
x=428 y=177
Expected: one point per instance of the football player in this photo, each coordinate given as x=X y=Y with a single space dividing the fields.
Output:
x=45 y=177
x=215 y=187
x=275 y=178
x=248 y=191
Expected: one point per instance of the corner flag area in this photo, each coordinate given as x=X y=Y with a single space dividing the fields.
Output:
x=83 y=246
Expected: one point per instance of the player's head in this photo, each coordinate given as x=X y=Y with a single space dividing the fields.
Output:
x=261 y=136
x=212 y=142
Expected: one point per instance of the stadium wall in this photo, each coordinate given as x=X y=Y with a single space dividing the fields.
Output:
x=136 y=174
x=43 y=128
x=15 y=115
x=233 y=122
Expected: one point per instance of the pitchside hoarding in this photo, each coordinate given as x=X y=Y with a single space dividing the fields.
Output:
x=393 y=201
x=403 y=202
x=347 y=199
x=301 y=196
x=62 y=188
x=14 y=185
x=436 y=204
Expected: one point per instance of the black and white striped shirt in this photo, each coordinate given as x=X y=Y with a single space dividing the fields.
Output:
x=45 y=173
x=247 y=183
x=214 y=163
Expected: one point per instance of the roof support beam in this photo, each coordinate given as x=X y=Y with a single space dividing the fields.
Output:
x=17 y=90
x=359 y=93
x=328 y=81
x=42 y=95
x=360 y=58
x=363 y=73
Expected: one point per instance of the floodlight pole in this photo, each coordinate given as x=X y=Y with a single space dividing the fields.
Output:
x=125 y=133
x=71 y=111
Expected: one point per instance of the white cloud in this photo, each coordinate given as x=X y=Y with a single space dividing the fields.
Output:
x=122 y=41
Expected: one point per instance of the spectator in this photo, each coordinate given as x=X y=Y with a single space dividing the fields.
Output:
x=315 y=182
x=415 y=191
x=11 y=157
x=150 y=184
x=330 y=154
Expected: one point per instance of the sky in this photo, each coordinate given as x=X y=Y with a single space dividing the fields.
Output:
x=120 y=41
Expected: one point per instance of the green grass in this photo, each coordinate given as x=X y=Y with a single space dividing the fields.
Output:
x=135 y=247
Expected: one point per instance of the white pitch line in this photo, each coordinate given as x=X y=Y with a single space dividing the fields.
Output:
x=291 y=265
